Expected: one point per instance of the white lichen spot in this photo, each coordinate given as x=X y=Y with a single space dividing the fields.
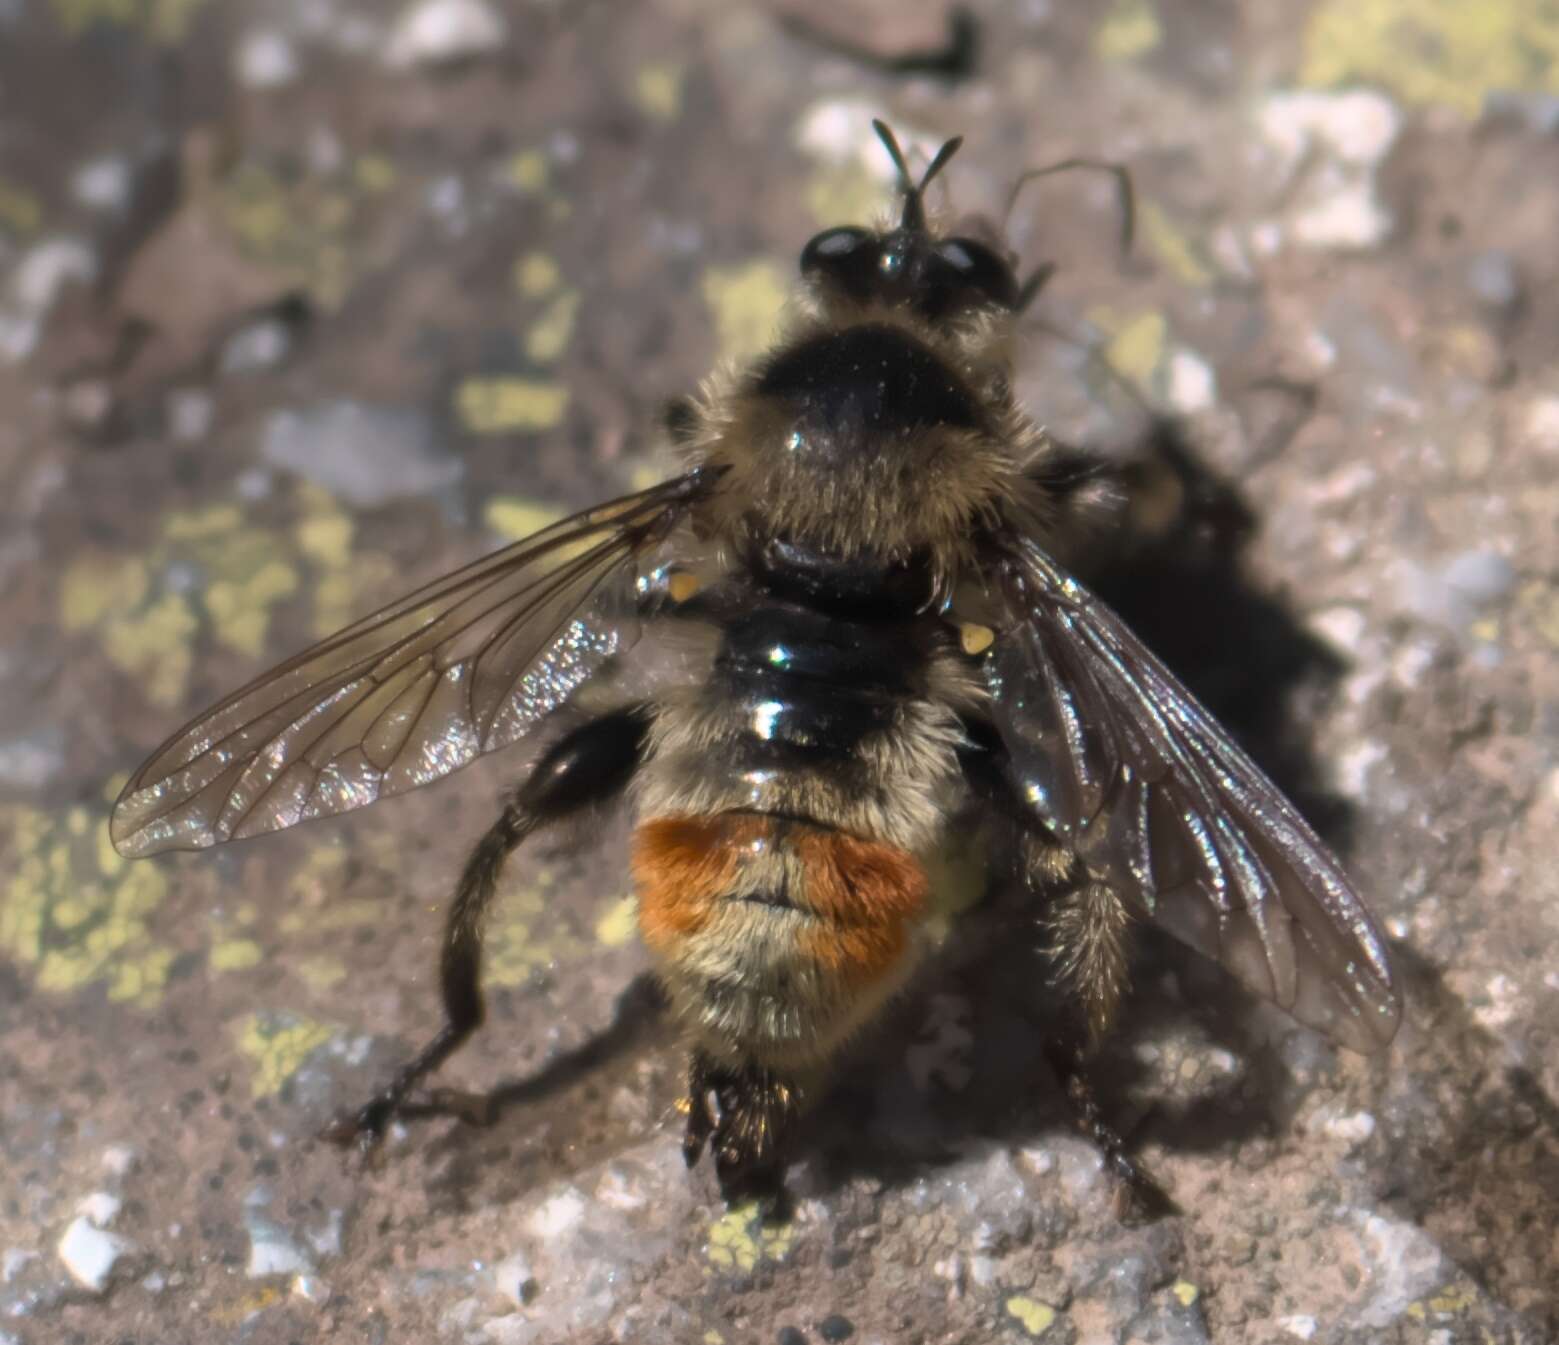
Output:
x=558 y=1215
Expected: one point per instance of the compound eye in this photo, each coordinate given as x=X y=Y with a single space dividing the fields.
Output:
x=980 y=269
x=846 y=255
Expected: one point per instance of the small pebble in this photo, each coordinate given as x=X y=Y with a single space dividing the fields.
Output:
x=836 y=1327
x=102 y=184
x=1492 y=276
x=256 y=346
x=1480 y=576
x=436 y=32
x=265 y=60
x=190 y=412
x=89 y=1254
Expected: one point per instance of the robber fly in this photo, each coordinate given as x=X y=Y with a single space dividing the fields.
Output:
x=857 y=573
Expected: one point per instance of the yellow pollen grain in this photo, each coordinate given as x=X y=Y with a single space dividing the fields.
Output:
x=682 y=586
x=1185 y=1292
x=975 y=639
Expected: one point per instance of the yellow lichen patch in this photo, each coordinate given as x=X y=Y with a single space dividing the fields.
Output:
x=1035 y=1317
x=536 y=274
x=248 y=571
x=620 y=923
x=1129 y=30
x=1451 y=1300
x=1537 y=606
x=741 y=1238
x=1185 y=1292
x=745 y=302
x=278 y=1044
x=324 y=535
x=20 y=211
x=1172 y=246
x=526 y=170
x=97 y=587
x=506 y=405
x=548 y=336
x=299 y=229
x=515 y=517
x=1447 y=52
x=958 y=877
x=1137 y=343
x=153 y=646
x=318 y=877
x=246 y=1306
x=374 y=173
x=336 y=915
x=522 y=942
x=239 y=609
x=657 y=89
x=75 y=912
x=164 y=21
x=320 y=973
x=842 y=193
x=235 y=954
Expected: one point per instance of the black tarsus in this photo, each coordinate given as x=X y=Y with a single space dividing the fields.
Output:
x=1143 y=1199
x=746 y=1115
x=590 y=765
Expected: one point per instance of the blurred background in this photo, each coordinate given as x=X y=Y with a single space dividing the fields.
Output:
x=305 y=302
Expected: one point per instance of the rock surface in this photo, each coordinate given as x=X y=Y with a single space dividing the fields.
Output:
x=479 y=244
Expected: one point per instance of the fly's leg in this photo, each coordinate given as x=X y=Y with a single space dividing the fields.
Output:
x=745 y=1115
x=1089 y=927
x=590 y=765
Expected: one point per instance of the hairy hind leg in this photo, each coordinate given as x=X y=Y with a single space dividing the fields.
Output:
x=1089 y=929
x=590 y=765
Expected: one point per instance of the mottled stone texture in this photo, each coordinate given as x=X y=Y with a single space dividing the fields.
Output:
x=303 y=303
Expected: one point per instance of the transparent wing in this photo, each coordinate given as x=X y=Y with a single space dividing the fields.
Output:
x=464 y=665
x=1116 y=759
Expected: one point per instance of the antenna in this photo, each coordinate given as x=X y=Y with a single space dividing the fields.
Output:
x=914 y=217
x=1125 y=195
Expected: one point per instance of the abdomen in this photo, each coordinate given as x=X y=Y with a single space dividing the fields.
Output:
x=786 y=808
